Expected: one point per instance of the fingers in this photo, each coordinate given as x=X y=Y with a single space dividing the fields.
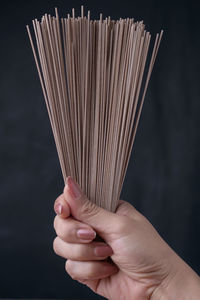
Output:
x=90 y=270
x=86 y=211
x=61 y=207
x=126 y=209
x=82 y=252
x=72 y=231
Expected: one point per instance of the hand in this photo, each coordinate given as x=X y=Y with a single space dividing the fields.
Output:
x=143 y=266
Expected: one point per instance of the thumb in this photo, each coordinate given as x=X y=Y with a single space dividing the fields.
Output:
x=88 y=212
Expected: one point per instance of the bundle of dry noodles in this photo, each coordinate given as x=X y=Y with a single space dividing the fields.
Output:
x=92 y=77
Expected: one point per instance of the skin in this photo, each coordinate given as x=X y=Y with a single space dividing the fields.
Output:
x=142 y=265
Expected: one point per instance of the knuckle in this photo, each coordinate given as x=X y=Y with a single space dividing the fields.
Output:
x=88 y=208
x=65 y=229
x=91 y=271
x=124 y=205
x=55 y=245
x=126 y=209
x=55 y=223
x=60 y=230
x=80 y=253
x=69 y=267
x=74 y=276
x=58 y=199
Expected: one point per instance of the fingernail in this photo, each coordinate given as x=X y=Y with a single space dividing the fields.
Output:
x=103 y=251
x=86 y=234
x=73 y=188
x=58 y=209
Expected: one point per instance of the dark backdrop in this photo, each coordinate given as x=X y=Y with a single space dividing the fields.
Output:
x=163 y=176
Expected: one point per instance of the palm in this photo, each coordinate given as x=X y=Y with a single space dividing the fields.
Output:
x=118 y=286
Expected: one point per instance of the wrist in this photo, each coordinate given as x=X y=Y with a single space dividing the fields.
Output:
x=181 y=283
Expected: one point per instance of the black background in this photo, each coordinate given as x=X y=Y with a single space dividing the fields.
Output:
x=163 y=176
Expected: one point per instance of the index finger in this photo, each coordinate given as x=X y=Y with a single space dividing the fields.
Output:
x=61 y=207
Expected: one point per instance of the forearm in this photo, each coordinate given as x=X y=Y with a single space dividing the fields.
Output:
x=183 y=284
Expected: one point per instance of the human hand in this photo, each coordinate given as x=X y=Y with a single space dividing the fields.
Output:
x=143 y=266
